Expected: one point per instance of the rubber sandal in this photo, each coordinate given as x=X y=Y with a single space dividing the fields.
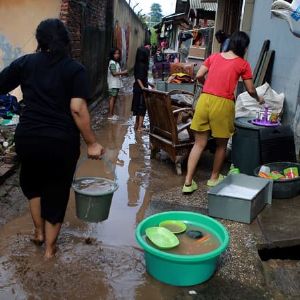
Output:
x=214 y=182
x=188 y=189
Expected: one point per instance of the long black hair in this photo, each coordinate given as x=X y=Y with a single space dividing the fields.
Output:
x=221 y=36
x=112 y=53
x=239 y=42
x=141 y=60
x=53 y=37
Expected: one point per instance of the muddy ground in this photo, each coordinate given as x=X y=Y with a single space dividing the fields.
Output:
x=103 y=260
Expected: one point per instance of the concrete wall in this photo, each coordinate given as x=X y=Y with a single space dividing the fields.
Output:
x=247 y=16
x=91 y=24
x=285 y=76
x=125 y=20
x=18 y=25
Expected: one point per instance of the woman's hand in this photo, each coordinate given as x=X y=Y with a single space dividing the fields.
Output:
x=261 y=100
x=201 y=74
x=151 y=84
x=95 y=151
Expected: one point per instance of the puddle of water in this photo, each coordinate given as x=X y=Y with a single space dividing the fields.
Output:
x=134 y=170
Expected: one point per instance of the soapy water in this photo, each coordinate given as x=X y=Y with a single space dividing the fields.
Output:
x=93 y=185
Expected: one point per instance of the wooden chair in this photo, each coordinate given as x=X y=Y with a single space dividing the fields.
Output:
x=167 y=132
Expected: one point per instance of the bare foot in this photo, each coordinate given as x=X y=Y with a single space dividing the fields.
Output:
x=37 y=242
x=142 y=129
x=120 y=162
x=50 y=252
x=38 y=237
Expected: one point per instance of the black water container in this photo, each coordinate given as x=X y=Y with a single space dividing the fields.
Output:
x=253 y=145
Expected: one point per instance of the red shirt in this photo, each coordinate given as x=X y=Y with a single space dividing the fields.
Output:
x=223 y=75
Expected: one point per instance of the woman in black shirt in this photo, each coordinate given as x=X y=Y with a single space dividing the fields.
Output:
x=47 y=139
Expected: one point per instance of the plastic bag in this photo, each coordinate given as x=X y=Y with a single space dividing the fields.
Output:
x=246 y=106
x=289 y=12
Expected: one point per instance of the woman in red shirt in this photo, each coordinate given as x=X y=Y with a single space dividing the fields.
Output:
x=214 y=114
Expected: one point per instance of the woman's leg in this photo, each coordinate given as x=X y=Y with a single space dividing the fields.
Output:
x=140 y=123
x=136 y=124
x=219 y=158
x=199 y=146
x=112 y=101
x=38 y=221
x=51 y=233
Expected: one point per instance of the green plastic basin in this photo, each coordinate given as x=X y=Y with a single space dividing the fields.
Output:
x=182 y=270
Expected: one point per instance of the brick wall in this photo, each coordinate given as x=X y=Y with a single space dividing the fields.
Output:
x=79 y=14
x=90 y=26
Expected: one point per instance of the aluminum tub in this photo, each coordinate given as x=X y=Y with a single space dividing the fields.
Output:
x=239 y=197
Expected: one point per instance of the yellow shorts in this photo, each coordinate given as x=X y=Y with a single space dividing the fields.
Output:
x=215 y=114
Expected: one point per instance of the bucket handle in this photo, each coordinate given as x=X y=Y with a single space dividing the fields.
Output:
x=107 y=162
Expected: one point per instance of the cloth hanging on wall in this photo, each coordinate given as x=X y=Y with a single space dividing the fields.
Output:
x=124 y=48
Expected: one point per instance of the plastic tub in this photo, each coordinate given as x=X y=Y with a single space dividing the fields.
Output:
x=239 y=197
x=182 y=270
x=283 y=189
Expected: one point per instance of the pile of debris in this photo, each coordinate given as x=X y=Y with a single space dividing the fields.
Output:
x=7 y=145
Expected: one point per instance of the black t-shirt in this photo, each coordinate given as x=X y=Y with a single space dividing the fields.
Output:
x=141 y=73
x=47 y=89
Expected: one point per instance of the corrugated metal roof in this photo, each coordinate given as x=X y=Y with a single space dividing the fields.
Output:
x=204 y=4
x=173 y=16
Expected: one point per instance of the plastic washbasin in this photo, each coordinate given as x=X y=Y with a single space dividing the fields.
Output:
x=287 y=188
x=182 y=270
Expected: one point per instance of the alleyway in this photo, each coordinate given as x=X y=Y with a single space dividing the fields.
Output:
x=95 y=261
x=103 y=261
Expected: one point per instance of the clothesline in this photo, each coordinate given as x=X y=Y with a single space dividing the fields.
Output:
x=196 y=29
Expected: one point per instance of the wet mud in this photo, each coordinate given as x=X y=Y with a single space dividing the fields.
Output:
x=101 y=260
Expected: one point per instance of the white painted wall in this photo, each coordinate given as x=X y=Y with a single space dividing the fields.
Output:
x=286 y=70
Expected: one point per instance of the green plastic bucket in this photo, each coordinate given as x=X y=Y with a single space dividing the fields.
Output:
x=93 y=205
x=182 y=270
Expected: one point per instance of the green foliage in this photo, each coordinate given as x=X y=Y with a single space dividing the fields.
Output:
x=156 y=13
x=153 y=37
x=143 y=19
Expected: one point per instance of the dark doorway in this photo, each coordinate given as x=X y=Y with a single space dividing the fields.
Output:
x=232 y=15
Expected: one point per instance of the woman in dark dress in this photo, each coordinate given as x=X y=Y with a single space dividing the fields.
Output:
x=141 y=67
x=47 y=139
